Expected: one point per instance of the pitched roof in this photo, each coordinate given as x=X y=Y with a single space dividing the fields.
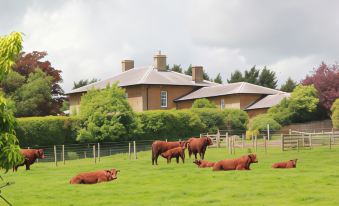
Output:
x=145 y=75
x=269 y=101
x=227 y=89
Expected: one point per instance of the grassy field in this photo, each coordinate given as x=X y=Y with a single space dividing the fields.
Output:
x=314 y=182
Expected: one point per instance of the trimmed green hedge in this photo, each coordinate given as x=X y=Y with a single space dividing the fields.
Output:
x=50 y=130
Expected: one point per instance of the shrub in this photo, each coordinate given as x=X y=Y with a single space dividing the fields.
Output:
x=170 y=124
x=259 y=123
x=203 y=103
x=107 y=116
x=49 y=130
x=335 y=113
x=72 y=155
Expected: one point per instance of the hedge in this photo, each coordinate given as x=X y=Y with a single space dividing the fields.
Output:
x=43 y=131
x=260 y=122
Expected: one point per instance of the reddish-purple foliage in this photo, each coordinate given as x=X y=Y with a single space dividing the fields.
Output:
x=326 y=80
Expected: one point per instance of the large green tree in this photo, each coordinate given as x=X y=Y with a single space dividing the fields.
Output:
x=10 y=47
x=107 y=116
x=289 y=85
x=236 y=77
x=267 y=78
x=252 y=75
x=218 y=79
x=335 y=113
x=84 y=82
x=176 y=68
x=30 y=97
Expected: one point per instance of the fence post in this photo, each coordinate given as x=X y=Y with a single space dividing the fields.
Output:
x=333 y=136
x=233 y=144
x=265 y=143
x=55 y=156
x=256 y=143
x=252 y=139
x=134 y=150
x=85 y=154
x=310 y=136
x=129 y=150
x=200 y=137
x=268 y=132
x=166 y=140
x=289 y=131
x=98 y=151
x=330 y=141
x=95 y=159
x=63 y=153
x=227 y=143
x=298 y=144
x=218 y=139
x=282 y=142
x=243 y=141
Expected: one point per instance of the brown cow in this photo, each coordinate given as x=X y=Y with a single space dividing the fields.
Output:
x=242 y=163
x=30 y=156
x=95 y=177
x=204 y=163
x=287 y=164
x=198 y=145
x=159 y=147
x=175 y=152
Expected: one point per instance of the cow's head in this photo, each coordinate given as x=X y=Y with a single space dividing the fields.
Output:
x=112 y=174
x=253 y=158
x=197 y=162
x=182 y=144
x=209 y=141
x=40 y=153
x=294 y=162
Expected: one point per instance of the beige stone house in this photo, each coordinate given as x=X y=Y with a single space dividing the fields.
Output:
x=155 y=88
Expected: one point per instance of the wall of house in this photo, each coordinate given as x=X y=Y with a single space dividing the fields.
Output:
x=173 y=92
x=135 y=97
x=74 y=103
x=254 y=112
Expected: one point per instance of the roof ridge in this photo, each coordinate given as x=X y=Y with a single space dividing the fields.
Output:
x=192 y=80
x=150 y=69
x=241 y=86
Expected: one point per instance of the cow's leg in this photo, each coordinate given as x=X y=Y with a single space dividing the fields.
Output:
x=183 y=158
x=177 y=159
x=156 y=159
x=195 y=155
x=27 y=166
x=189 y=153
x=202 y=154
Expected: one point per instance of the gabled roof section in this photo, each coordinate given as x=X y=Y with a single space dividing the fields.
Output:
x=269 y=101
x=147 y=76
x=227 y=89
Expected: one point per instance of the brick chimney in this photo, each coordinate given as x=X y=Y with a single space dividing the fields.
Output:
x=197 y=74
x=160 y=62
x=127 y=65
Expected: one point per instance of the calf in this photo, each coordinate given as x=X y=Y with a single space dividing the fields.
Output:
x=95 y=177
x=287 y=164
x=175 y=152
x=30 y=156
x=242 y=163
x=203 y=163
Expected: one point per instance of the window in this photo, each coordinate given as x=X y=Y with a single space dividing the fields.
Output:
x=222 y=104
x=163 y=98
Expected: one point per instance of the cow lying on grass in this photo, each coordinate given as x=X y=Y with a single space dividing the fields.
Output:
x=203 y=163
x=159 y=147
x=30 y=156
x=95 y=177
x=242 y=163
x=287 y=164
x=174 y=153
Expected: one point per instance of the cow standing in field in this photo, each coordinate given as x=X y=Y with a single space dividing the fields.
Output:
x=288 y=164
x=95 y=177
x=174 y=153
x=159 y=147
x=30 y=156
x=204 y=163
x=198 y=146
x=242 y=163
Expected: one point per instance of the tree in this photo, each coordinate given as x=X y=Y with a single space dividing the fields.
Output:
x=326 y=80
x=12 y=82
x=84 y=82
x=27 y=63
x=252 y=75
x=203 y=103
x=236 y=77
x=10 y=47
x=176 y=68
x=260 y=122
x=335 y=114
x=35 y=96
x=107 y=116
x=218 y=79
x=289 y=85
x=267 y=78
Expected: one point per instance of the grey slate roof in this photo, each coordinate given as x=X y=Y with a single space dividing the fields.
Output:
x=145 y=75
x=227 y=89
x=269 y=101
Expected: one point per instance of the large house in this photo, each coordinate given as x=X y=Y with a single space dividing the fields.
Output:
x=156 y=88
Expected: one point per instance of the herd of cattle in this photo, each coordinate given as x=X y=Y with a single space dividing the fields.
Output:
x=167 y=150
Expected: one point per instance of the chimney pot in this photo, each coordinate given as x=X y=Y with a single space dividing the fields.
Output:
x=160 y=62
x=197 y=74
x=127 y=64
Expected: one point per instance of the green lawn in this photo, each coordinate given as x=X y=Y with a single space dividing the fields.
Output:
x=314 y=182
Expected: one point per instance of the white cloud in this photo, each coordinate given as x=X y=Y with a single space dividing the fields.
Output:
x=88 y=39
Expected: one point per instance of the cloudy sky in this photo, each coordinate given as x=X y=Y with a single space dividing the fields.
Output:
x=88 y=39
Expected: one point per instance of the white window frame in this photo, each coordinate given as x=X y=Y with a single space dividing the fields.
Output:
x=222 y=104
x=163 y=96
